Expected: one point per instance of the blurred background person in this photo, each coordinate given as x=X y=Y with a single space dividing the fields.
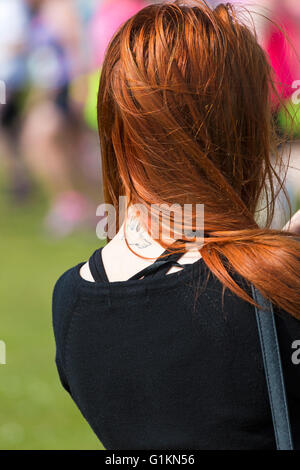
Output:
x=282 y=43
x=107 y=18
x=14 y=24
x=52 y=129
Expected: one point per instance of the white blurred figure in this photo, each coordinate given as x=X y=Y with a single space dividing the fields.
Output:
x=14 y=23
x=13 y=39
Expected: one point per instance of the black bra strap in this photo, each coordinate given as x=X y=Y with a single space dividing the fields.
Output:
x=159 y=267
x=97 y=268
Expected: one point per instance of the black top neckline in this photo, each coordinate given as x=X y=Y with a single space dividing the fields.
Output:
x=166 y=280
x=158 y=268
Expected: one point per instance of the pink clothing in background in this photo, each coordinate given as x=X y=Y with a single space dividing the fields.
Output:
x=109 y=16
x=283 y=47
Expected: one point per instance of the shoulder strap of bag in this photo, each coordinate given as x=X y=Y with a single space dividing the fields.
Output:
x=273 y=371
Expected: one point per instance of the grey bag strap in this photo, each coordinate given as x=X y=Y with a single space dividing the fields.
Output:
x=273 y=371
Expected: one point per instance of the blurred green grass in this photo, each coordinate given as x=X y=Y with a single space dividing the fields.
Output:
x=35 y=412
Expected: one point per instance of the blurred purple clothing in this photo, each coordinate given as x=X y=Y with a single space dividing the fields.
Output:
x=109 y=16
x=48 y=62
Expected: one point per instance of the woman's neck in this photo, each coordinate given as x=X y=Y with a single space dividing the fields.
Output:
x=132 y=249
x=133 y=234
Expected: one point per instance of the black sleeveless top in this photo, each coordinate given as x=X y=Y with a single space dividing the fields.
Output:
x=169 y=361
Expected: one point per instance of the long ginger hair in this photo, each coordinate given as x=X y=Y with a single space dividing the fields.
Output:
x=185 y=116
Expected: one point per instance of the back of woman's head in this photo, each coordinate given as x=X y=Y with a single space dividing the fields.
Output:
x=185 y=118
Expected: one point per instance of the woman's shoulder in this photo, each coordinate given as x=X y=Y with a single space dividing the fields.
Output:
x=65 y=295
x=67 y=285
x=64 y=298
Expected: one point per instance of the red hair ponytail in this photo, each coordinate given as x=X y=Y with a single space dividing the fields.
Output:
x=185 y=117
